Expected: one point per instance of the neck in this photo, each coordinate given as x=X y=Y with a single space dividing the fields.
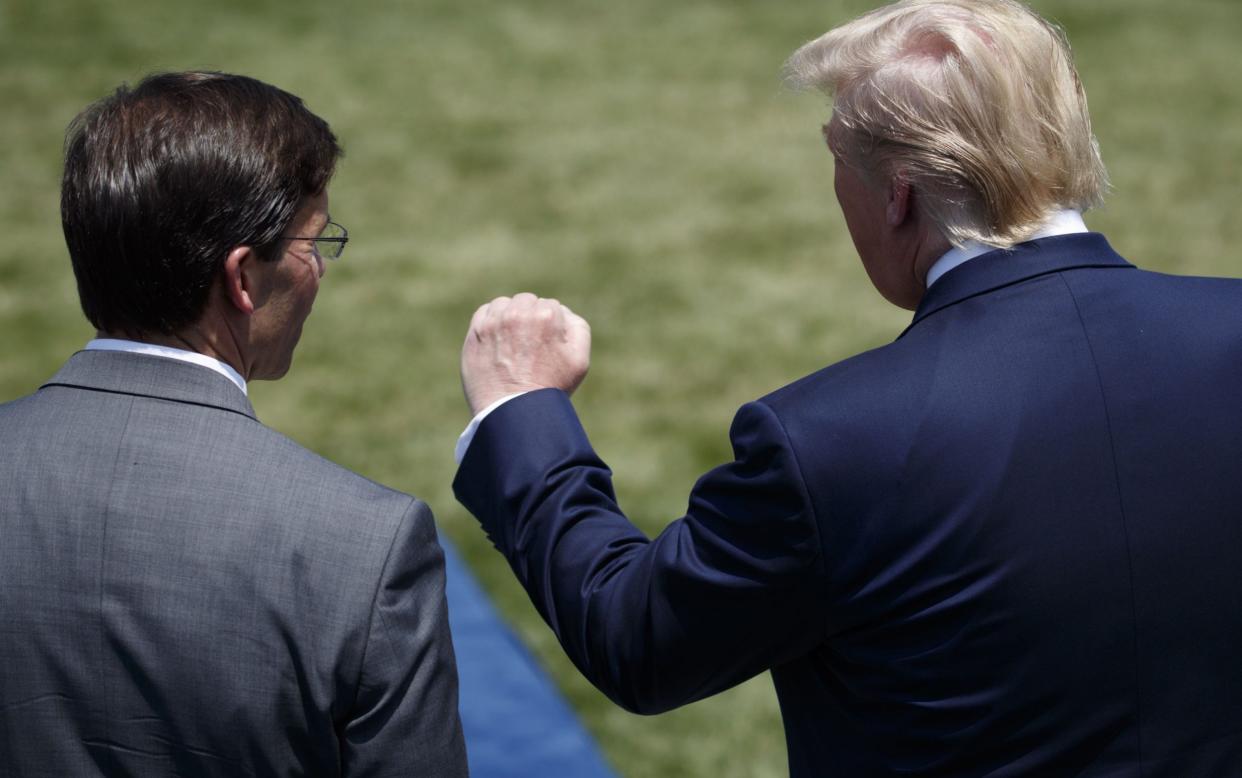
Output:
x=210 y=336
x=931 y=247
x=924 y=246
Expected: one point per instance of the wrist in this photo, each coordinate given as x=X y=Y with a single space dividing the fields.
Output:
x=485 y=400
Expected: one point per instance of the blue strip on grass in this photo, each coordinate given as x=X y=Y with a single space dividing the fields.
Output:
x=516 y=723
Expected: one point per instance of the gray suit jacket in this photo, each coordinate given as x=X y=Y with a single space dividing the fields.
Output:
x=185 y=592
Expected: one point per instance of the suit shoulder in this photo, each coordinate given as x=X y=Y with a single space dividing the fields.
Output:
x=17 y=406
x=305 y=470
x=872 y=379
x=1195 y=290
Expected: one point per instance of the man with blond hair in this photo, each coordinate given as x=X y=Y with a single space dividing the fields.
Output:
x=1004 y=544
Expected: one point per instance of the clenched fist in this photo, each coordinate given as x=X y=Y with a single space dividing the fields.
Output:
x=523 y=343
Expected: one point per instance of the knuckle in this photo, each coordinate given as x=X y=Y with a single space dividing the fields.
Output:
x=512 y=318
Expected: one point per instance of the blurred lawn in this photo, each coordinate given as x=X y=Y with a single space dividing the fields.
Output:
x=638 y=160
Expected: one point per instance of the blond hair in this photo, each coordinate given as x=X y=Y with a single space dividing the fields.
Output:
x=975 y=103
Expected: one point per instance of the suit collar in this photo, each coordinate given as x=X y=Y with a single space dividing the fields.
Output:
x=142 y=375
x=1024 y=261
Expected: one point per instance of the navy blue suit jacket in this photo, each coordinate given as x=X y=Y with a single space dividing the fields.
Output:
x=1009 y=543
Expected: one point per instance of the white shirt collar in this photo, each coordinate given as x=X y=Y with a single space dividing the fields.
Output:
x=168 y=352
x=1064 y=222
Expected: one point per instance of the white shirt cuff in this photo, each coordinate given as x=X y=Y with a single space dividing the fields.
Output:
x=467 y=436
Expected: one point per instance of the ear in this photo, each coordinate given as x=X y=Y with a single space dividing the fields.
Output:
x=240 y=283
x=900 y=202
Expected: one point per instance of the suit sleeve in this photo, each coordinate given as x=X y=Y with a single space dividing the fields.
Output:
x=405 y=720
x=722 y=594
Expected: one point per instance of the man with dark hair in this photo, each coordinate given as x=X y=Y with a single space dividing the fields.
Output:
x=183 y=590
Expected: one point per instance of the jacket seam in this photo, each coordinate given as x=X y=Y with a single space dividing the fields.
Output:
x=165 y=398
x=371 y=612
x=1121 y=507
x=818 y=563
x=103 y=552
x=1046 y=274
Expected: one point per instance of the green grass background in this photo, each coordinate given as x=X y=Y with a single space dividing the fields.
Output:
x=639 y=160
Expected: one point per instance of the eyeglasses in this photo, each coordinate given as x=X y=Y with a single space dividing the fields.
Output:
x=330 y=243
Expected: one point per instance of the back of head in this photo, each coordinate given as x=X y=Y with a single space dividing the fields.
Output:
x=163 y=179
x=975 y=103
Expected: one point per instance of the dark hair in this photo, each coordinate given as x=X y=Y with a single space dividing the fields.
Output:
x=163 y=180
